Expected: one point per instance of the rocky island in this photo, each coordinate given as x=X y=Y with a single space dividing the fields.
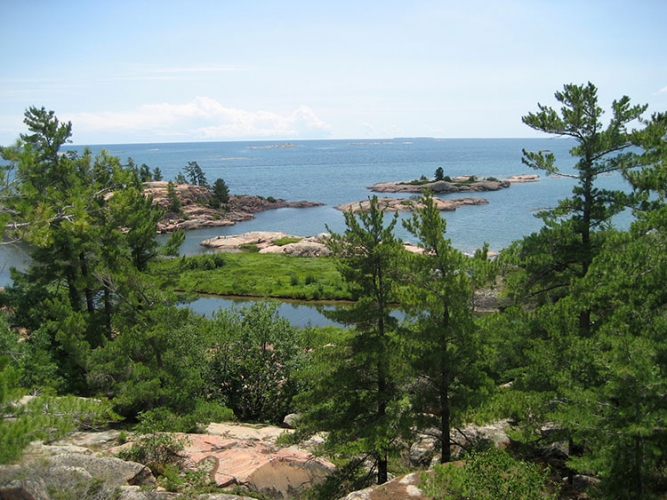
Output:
x=271 y=242
x=196 y=213
x=461 y=184
x=408 y=205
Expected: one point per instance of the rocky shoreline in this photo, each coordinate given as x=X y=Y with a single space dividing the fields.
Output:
x=387 y=204
x=461 y=184
x=197 y=214
x=271 y=242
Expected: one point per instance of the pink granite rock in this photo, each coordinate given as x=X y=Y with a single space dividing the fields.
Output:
x=260 y=466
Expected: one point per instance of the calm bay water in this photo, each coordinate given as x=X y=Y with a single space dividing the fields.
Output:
x=340 y=171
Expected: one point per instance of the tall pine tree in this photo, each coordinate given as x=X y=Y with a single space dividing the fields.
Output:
x=355 y=396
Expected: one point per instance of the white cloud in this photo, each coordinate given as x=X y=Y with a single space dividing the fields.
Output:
x=205 y=118
x=663 y=90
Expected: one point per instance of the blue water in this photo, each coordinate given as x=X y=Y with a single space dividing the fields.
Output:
x=340 y=171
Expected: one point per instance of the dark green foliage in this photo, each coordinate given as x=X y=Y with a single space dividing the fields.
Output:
x=439 y=174
x=135 y=212
x=600 y=150
x=145 y=174
x=156 y=362
x=584 y=341
x=490 y=474
x=88 y=223
x=195 y=174
x=180 y=179
x=355 y=397
x=174 y=203
x=47 y=134
x=206 y=262
x=442 y=344
x=172 y=247
x=219 y=194
x=255 y=356
x=157 y=174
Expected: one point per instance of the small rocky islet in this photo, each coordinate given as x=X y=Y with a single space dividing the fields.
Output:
x=196 y=212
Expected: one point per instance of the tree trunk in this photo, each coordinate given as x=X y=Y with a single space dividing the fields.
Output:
x=90 y=295
x=383 y=474
x=445 y=425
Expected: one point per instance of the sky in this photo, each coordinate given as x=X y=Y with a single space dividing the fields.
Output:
x=133 y=71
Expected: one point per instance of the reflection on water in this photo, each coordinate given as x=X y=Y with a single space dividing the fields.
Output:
x=299 y=314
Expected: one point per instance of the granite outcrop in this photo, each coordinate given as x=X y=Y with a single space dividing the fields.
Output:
x=196 y=212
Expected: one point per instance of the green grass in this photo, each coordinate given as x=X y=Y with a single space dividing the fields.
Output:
x=286 y=241
x=254 y=275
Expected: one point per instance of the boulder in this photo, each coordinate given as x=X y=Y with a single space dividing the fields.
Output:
x=257 y=465
x=244 y=455
x=290 y=421
x=494 y=433
x=422 y=451
x=113 y=471
x=34 y=480
x=25 y=488
x=401 y=488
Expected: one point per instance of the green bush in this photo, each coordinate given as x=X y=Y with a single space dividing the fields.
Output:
x=310 y=279
x=490 y=474
x=157 y=451
x=206 y=262
x=254 y=359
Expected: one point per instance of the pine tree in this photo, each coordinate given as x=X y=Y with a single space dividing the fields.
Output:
x=355 y=397
x=443 y=345
x=86 y=225
x=576 y=355
x=195 y=174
